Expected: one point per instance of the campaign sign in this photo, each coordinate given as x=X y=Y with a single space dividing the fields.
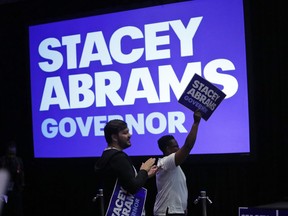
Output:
x=203 y=95
x=123 y=203
x=244 y=211
x=134 y=65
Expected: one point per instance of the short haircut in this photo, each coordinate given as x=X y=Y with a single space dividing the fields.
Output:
x=10 y=144
x=164 y=141
x=113 y=127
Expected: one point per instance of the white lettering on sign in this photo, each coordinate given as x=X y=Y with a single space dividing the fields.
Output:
x=108 y=50
x=82 y=95
x=68 y=127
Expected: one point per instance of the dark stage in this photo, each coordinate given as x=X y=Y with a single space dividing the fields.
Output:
x=66 y=187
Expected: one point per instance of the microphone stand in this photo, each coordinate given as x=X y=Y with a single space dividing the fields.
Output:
x=203 y=198
x=101 y=197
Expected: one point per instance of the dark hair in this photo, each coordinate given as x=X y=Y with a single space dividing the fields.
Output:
x=113 y=127
x=10 y=144
x=164 y=141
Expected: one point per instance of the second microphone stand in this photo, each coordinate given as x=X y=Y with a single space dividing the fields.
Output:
x=203 y=198
x=100 y=196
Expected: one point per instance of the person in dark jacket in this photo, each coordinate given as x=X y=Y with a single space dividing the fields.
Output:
x=115 y=163
x=14 y=166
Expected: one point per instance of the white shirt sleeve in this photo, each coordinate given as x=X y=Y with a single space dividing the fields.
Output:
x=167 y=162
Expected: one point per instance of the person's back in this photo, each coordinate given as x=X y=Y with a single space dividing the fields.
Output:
x=171 y=187
x=106 y=176
x=172 y=193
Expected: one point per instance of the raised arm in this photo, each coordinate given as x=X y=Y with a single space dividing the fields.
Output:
x=184 y=151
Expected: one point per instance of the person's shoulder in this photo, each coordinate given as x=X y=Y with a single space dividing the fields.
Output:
x=107 y=157
x=168 y=160
x=112 y=154
x=172 y=155
x=118 y=154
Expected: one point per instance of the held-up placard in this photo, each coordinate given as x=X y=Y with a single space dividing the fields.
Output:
x=203 y=95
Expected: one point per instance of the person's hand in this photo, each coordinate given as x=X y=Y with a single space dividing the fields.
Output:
x=147 y=165
x=152 y=171
x=197 y=116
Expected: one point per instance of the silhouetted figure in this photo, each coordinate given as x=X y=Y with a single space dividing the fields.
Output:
x=172 y=192
x=14 y=165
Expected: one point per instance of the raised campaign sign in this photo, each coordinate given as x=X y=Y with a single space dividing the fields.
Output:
x=202 y=95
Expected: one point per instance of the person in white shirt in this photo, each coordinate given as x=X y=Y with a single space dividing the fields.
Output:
x=172 y=193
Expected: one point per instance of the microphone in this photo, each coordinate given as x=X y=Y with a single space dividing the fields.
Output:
x=99 y=194
x=101 y=197
x=203 y=197
x=101 y=201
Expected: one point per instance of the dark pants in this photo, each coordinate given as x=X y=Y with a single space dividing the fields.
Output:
x=14 y=205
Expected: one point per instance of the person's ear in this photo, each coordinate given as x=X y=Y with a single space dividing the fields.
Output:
x=166 y=150
x=115 y=137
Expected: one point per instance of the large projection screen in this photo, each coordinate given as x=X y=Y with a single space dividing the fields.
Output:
x=134 y=65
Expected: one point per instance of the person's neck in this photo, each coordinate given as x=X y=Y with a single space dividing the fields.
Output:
x=114 y=147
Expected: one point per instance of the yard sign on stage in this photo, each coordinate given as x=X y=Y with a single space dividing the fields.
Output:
x=134 y=65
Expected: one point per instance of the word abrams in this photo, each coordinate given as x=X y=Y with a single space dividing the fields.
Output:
x=83 y=94
x=125 y=204
x=201 y=94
